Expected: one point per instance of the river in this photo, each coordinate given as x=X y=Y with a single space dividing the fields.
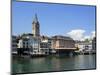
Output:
x=52 y=63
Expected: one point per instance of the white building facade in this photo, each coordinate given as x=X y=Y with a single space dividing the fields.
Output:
x=84 y=46
x=45 y=45
x=31 y=43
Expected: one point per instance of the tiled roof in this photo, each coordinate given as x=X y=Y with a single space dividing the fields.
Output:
x=61 y=37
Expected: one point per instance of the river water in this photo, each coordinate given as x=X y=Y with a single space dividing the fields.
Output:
x=52 y=63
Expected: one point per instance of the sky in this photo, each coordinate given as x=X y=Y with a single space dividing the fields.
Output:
x=76 y=21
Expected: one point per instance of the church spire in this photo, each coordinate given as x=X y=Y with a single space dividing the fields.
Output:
x=35 y=27
x=35 y=19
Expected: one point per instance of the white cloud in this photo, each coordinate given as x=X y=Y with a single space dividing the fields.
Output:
x=79 y=34
x=93 y=34
x=87 y=37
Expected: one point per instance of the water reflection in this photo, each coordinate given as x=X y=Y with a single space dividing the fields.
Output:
x=51 y=63
x=85 y=62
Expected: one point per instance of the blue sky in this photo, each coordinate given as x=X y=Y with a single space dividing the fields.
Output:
x=54 y=18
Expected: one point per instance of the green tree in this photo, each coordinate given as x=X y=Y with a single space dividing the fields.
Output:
x=86 y=40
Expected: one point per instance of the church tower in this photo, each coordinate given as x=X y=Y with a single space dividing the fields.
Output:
x=35 y=27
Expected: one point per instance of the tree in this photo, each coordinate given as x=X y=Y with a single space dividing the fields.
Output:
x=86 y=40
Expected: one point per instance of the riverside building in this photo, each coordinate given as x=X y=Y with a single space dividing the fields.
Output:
x=35 y=44
x=63 y=44
x=29 y=43
x=84 y=46
x=45 y=44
